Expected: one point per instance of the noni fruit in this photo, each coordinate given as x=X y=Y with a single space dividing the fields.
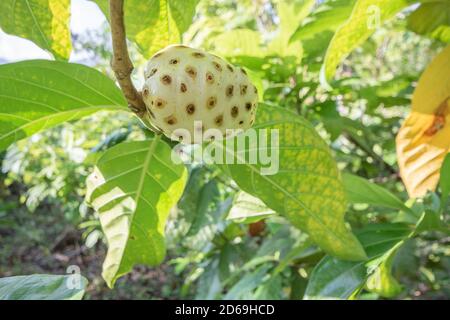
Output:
x=188 y=92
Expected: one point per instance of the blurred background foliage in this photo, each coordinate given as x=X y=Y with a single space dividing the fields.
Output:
x=44 y=225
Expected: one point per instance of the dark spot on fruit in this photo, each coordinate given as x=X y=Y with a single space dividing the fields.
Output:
x=160 y=103
x=255 y=90
x=252 y=122
x=171 y=120
x=229 y=90
x=241 y=122
x=243 y=89
x=174 y=61
x=234 y=111
x=248 y=106
x=198 y=55
x=217 y=66
x=191 y=71
x=243 y=71
x=145 y=93
x=183 y=87
x=180 y=138
x=209 y=77
x=219 y=120
x=190 y=108
x=166 y=79
x=152 y=72
x=211 y=102
x=151 y=113
x=229 y=67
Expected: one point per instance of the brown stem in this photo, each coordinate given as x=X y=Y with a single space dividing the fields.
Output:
x=121 y=62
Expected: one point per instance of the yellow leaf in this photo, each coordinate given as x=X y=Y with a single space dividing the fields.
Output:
x=424 y=139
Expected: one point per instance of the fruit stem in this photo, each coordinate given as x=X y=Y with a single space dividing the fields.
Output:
x=121 y=62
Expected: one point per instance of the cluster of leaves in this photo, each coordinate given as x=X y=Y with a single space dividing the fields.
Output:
x=284 y=231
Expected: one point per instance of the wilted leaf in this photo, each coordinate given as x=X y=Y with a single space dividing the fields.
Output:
x=42 y=287
x=39 y=94
x=45 y=22
x=424 y=138
x=133 y=187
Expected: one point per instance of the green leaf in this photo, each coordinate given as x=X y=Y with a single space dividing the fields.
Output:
x=246 y=206
x=327 y=17
x=360 y=190
x=338 y=279
x=45 y=22
x=133 y=187
x=36 y=95
x=444 y=182
x=381 y=280
x=366 y=17
x=432 y=19
x=42 y=287
x=304 y=184
x=239 y=42
x=154 y=24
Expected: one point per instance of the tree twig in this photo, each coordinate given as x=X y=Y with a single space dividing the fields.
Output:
x=121 y=62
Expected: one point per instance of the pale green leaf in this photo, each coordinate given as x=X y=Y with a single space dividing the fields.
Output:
x=247 y=206
x=432 y=19
x=239 y=42
x=301 y=183
x=36 y=95
x=154 y=24
x=133 y=187
x=360 y=190
x=367 y=16
x=42 y=287
x=45 y=22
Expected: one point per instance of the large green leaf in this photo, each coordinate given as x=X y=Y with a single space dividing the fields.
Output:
x=306 y=188
x=133 y=187
x=433 y=19
x=366 y=17
x=45 y=22
x=154 y=24
x=42 y=287
x=36 y=95
x=360 y=190
x=337 y=279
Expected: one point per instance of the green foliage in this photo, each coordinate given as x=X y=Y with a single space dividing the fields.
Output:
x=154 y=24
x=360 y=190
x=366 y=17
x=42 y=287
x=306 y=188
x=432 y=19
x=45 y=22
x=229 y=231
x=36 y=95
x=133 y=187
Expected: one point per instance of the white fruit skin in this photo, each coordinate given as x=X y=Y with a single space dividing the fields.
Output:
x=198 y=91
